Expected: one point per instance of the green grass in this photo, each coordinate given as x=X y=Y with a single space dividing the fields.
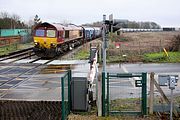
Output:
x=174 y=57
x=7 y=49
x=82 y=55
x=115 y=59
x=4 y=50
x=132 y=104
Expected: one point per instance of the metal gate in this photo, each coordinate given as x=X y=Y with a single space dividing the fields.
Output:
x=65 y=93
x=110 y=105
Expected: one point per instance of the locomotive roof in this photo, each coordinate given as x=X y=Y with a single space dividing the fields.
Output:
x=59 y=26
x=73 y=26
x=45 y=24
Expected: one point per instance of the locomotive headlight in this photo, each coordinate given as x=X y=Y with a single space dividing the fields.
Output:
x=36 y=43
x=53 y=45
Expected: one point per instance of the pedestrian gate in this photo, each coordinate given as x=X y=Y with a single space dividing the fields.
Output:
x=65 y=94
x=141 y=82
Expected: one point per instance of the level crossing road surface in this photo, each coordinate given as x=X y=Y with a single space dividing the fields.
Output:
x=32 y=83
x=22 y=82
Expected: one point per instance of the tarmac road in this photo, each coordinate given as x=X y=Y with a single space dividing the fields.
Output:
x=135 y=68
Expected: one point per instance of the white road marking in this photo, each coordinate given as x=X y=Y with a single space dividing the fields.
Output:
x=130 y=79
x=124 y=69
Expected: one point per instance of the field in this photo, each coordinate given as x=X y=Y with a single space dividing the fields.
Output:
x=138 y=47
x=131 y=47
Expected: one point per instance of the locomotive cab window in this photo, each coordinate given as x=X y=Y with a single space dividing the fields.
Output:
x=67 y=34
x=51 y=33
x=80 y=33
x=40 y=33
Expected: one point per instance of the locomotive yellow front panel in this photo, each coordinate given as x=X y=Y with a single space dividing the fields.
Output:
x=45 y=42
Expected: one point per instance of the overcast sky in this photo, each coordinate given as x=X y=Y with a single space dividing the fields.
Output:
x=163 y=12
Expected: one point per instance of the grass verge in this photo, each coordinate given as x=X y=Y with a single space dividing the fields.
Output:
x=82 y=55
x=174 y=57
x=4 y=50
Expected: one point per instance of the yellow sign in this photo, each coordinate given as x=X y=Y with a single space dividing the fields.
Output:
x=166 y=53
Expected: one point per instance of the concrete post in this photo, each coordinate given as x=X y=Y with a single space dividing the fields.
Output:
x=151 y=97
x=103 y=47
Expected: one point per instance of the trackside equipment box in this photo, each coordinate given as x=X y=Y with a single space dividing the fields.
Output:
x=163 y=80
x=79 y=92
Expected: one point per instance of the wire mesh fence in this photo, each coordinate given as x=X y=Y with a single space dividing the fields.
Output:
x=139 y=47
x=123 y=93
x=160 y=97
x=124 y=96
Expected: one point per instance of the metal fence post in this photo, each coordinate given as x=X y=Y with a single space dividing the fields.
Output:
x=62 y=93
x=69 y=91
x=103 y=94
x=108 y=94
x=144 y=95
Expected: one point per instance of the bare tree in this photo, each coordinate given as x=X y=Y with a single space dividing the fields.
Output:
x=15 y=20
x=4 y=15
x=65 y=22
x=8 y=21
x=16 y=17
x=30 y=23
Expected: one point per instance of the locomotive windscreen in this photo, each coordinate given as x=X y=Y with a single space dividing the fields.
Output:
x=51 y=33
x=40 y=33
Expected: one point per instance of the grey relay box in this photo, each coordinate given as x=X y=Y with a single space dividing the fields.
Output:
x=163 y=80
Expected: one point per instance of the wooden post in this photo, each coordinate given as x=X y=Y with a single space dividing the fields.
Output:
x=151 y=97
x=160 y=42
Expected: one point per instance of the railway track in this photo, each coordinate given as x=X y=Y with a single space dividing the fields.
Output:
x=18 y=74
x=32 y=67
x=28 y=56
x=22 y=76
x=32 y=71
x=18 y=55
x=16 y=52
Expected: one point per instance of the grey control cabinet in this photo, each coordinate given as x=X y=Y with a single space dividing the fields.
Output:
x=79 y=92
x=163 y=80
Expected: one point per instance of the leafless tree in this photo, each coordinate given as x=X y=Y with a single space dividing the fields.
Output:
x=4 y=15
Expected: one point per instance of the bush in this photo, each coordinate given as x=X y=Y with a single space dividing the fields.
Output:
x=176 y=43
